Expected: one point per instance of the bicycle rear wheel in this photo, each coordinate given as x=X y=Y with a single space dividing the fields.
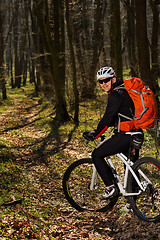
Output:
x=146 y=205
x=76 y=186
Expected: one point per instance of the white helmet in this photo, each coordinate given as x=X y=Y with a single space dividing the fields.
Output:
x=105 y=72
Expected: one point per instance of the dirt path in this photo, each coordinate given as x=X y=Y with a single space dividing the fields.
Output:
x=44 y=212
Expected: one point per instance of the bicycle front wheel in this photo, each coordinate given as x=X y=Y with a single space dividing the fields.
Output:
x=146 y=205
x=76 y=186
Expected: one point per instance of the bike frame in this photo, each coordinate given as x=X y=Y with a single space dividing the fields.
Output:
x=128 y=168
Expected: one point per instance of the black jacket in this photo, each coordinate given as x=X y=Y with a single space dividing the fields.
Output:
x=119 y=101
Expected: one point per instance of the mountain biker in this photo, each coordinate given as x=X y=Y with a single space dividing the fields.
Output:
x=119 y=113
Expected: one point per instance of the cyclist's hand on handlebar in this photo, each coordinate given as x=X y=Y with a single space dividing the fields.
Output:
x=88 y=135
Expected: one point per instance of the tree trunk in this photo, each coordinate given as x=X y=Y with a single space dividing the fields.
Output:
x=154 y=47
x=97 y=43
x=88 y=39
x=80 y=58
x=72 y=55
x=56 y=50
x=2 y=76
x=25 y=72
x=117 y=32
x=53 y=47
x=112 y=38
x=143 y=49
x=18 y=61
x=131 y=38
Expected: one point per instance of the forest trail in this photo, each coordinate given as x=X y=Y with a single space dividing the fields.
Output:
x=44 y=212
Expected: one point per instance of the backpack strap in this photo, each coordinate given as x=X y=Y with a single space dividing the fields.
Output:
x=120 y=114
x=119 y=119
x=120 y=87
x=142 y=100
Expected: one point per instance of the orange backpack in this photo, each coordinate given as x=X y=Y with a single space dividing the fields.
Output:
x=144 y=102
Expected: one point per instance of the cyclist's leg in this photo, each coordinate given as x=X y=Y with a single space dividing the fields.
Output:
x=76 y=185
x=115 y=144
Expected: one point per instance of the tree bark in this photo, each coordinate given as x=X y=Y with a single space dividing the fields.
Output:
x=97 y=43
x=88 y=39
x=154 y=47
x=2 y=76
x=117 y=32
x=112 y=38
x=72 y=55
x=53 y=47
x=131 y=38
x=142 y=42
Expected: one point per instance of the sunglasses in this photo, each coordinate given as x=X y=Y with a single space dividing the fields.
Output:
x=105 y=80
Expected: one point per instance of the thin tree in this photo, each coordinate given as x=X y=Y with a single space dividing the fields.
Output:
x=54 y=48
x=73 y=61
x=87 y=20
x=141 y=35
x=143 y=49
x=117 y=37
x=131 y=35
x=154 y=44
x=2 y=76
x=96 y=44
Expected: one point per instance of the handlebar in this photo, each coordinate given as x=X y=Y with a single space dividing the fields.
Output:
x=90 y=138
x=102 y=137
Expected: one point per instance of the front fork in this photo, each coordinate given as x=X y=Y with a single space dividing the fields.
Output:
x=93 y=184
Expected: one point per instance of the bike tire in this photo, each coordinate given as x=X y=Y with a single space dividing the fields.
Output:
x=76 y=182
x=146 y=205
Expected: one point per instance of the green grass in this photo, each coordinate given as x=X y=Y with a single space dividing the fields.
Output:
x=11 y=180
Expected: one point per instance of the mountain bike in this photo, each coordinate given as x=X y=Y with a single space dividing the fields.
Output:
x=140 y=185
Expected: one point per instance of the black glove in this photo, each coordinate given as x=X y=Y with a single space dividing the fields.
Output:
x=88 y=135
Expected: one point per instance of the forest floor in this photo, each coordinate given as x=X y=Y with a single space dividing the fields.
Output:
x=34 y=152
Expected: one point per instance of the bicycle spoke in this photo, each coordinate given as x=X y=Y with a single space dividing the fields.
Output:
x=147 y=204
x=79 y=194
